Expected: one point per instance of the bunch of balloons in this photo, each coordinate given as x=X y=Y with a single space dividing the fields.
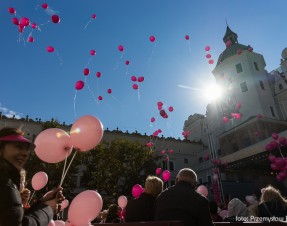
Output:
x=185 y=134
x=278 y=164
x=138 y=80
x=208 y=55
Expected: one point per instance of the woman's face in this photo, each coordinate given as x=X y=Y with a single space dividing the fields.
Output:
x=17 y=153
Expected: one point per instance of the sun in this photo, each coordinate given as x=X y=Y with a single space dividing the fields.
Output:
x=212 y=92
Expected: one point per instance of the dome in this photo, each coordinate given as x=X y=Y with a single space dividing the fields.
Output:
x=284 y=54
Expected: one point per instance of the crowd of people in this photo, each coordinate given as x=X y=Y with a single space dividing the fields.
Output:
x=180 y=202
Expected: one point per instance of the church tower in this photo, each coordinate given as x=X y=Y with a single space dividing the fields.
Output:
x=241 y=73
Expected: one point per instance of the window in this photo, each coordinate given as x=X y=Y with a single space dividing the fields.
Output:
x=261 y=85
x=272 y=111
x=243 y=86
x=238 y=68
x=171 y=165
x=185 y=160
x=234 y=147
x=256 y=66
x=280 y=86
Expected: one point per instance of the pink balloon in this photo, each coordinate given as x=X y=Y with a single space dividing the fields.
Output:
x=24 y=21
x=53 y=145
x=86 y=71
x=152 y=38
x=55 y=19
x=140 y=79
x=202 y=190
x=109 y=91
x=120 y=48
x=208 y=56
x=186 y=37
x=228 y=43
x=79 y=85
x=44 y=5
x=51 y=223
x=94 y=16
x=34 y=25
x=59 y=223
x=11 y=10
x=15 y=21
x=86 y=133
x=211 y=61
x=122 y=201
x=85 y=207
x=170 y=109
x=39 y=180
x=100 y=98
x=135 y=86
x=137 y=190
x=30 y=39
x=134 y=78
x=127 y=62
x=165 y=175
x=152 y=119
x=207 y=48
x=65 y=204
x=50 y=49
x=98 y=74
x=158 y=171
x=92 y=52
x=275 y=136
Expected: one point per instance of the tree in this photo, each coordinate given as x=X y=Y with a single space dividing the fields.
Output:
x=113 y=168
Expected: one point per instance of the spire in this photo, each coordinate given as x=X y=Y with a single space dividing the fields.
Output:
x=230 y=35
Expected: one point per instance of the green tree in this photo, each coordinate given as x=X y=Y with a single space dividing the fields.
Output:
x=113 y=168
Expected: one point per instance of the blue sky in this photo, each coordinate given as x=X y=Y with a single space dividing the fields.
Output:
x=41 y=84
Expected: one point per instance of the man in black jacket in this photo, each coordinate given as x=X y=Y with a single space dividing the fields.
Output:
x=182 y=202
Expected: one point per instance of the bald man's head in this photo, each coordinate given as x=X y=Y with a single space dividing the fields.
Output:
x=187 y=175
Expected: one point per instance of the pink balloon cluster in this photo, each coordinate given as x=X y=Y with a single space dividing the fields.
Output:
x=163 y=112
x=278 y=164
x=138 y=80
x=53 y=145
x=156 y=133
x=208 y=55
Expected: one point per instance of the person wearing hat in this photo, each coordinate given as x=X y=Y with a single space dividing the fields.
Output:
x=14 y=153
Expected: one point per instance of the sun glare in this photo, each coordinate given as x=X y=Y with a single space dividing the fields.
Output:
x=212 y=92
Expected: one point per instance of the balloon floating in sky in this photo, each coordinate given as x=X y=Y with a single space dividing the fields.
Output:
x=135 y=86
x=50 y=49
x=15 y=21
x=186 y=37
x=140 y=79
x=211 y=61
x=207 y=48
x=127 y=62
x=152 y=38
x=98 y=74
x=92 y=52
x=24 y=21
x=11 y=10
x=134 y=78
x=55 y=19
x=100 y=98
x=170 y=109
x=44 y=5
x=152 y=119
x=30 y=39
x=86 y=71
x=94 y=16
x=208 y=56
x=109 y=91
x=120 y=48
x=79 y=85
x=34 y=25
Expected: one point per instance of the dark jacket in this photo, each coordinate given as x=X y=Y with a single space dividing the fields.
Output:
x=140 y=209
x=272 y=208
x=182 y=203
x=11 y=210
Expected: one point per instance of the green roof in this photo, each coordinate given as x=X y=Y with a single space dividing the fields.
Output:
x=231 y=51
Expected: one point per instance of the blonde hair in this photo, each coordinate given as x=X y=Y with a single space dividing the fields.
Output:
x=153 y=185
x=271 y=193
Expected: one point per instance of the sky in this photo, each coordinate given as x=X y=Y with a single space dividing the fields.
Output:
x=41 y=84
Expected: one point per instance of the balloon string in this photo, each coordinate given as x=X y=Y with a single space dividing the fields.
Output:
x=64 y=167
x=90 y=90
x=59 y=57
x=151 y=56
x=87 y=24
x=68 y=168
x=189 y=47
x=139 y=97
x=75 y=104
x=31 y=197
x=281 y=152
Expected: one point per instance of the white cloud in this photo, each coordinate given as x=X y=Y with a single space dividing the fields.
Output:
x=10 y=113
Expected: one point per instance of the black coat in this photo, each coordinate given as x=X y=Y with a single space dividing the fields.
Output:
x=11 y=210
x=140 y=209
x=272 y=208
x=182 y=203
